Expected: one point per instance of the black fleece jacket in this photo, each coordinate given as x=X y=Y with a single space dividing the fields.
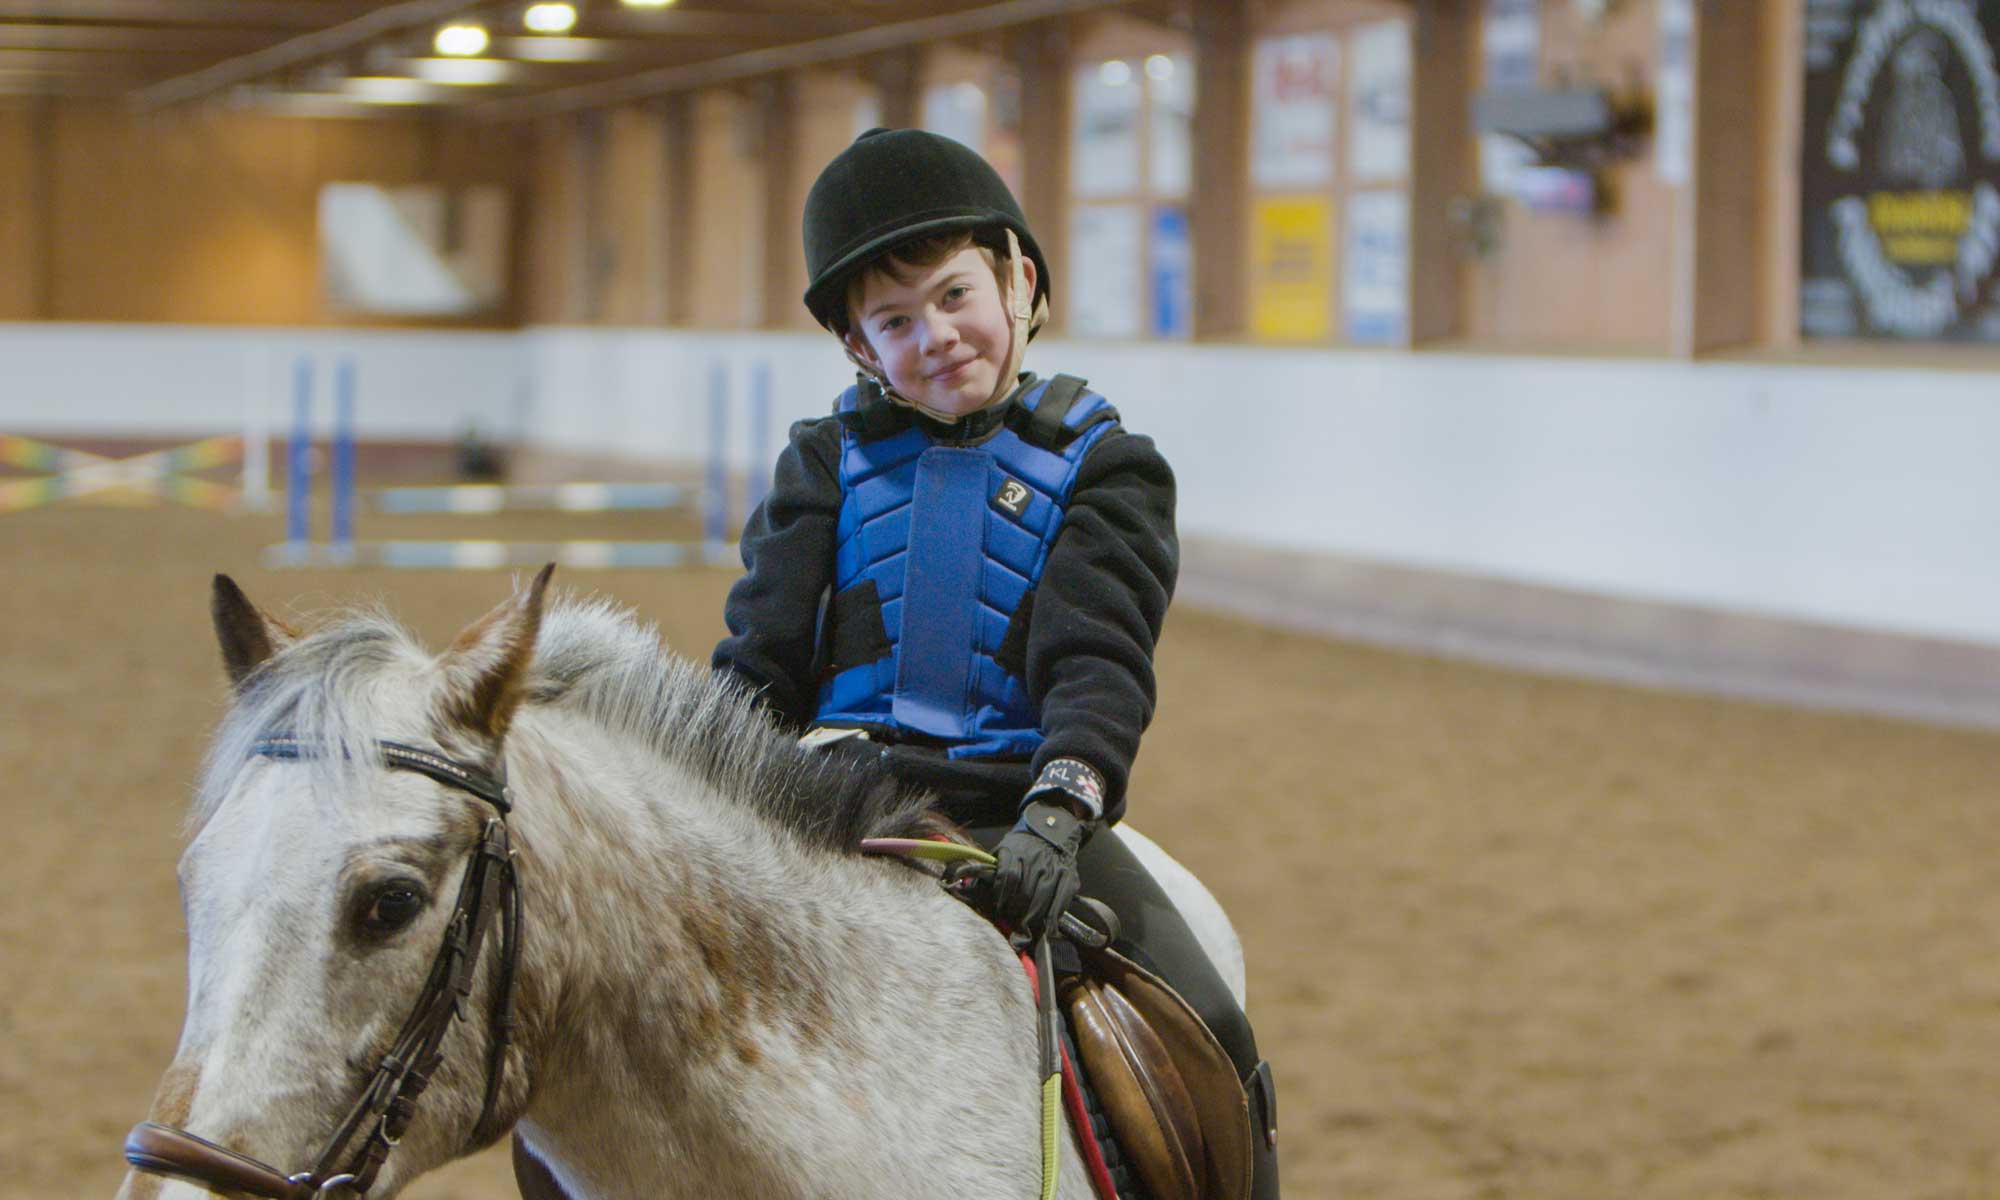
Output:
x=1097 y=612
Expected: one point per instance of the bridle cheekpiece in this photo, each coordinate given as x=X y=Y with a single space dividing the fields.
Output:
x=389 y=1100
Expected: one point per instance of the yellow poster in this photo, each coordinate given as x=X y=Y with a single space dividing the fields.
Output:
x=1291 y=269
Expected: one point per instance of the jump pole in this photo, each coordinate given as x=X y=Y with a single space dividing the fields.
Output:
x=256 y=493
x=342 y=534
x=757 y=479
x=715 y=493
x=298 y=465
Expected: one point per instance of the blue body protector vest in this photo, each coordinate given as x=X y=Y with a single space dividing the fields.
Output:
x=927 y=630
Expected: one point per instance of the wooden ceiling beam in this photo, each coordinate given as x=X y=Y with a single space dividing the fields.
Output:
x=727 y=69
x=273 y=14
x=213 y=42
x=298 y=51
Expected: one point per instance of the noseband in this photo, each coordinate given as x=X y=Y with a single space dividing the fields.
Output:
x=389 y=1100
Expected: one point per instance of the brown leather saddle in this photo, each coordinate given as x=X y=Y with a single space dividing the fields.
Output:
x=1169 y=1089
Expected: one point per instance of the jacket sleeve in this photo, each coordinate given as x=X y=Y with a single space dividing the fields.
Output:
x=1099 y=608
x=773 y=611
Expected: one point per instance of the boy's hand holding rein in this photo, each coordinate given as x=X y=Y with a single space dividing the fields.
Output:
x=1037 y=875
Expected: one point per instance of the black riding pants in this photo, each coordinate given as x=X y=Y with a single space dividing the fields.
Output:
x=1151 y=925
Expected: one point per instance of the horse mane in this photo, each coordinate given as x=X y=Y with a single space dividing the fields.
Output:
x=593 y=658
x=596 y=658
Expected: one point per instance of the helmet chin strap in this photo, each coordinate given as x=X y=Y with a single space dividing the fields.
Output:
x=1026 y=315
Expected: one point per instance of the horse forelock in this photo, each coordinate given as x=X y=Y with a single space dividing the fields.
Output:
x=326 y=690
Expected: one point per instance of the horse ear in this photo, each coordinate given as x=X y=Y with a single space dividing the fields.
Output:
x=489 y=658
x=247 y=634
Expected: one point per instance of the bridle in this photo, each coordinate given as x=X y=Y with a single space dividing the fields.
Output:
x=389 y=1100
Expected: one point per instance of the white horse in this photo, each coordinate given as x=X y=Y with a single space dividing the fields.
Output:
x=715 y=994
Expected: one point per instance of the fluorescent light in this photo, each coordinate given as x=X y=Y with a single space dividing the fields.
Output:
x=1116 y=73
x=389 y=89
x=461 y=41
x=550 y=18
x=557 y=49
x=647 y=3
x=1159 y=66
x=472 y=71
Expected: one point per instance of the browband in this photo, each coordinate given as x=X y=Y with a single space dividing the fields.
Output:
x=404 y=757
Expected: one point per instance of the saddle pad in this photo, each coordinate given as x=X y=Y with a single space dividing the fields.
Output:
x=941 y=580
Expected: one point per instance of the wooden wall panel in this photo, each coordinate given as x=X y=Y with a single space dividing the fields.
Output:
x=1561 y=282
x=728 y=214
x=23 y=267
x=827 y=104
x=211 y=217
x=633 y=231
x=552 y=245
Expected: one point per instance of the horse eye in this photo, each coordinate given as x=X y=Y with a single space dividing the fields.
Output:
x=394 y=906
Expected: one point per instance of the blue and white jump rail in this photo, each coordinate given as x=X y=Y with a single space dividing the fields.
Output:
x=341 y=550
x=471 y=499
x=495 y=555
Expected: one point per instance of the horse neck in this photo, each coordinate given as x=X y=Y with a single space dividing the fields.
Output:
x=679 y=947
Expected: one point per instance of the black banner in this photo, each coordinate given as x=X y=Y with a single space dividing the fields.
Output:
x=1900 y=236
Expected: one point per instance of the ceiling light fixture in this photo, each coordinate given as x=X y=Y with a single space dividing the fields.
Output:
x=1115 y=73
x=550 y=18
x=647 y=3
x=460 y=41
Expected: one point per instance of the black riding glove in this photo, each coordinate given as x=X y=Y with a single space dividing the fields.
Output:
x=1037 y=877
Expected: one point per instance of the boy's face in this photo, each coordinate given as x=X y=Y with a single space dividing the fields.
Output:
x=942 y=337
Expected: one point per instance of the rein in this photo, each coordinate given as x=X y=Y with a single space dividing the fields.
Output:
x=388 y=1101
x=964 y=867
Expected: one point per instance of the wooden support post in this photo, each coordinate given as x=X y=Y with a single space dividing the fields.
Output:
x=898 y=76
x=1041 y=55
x=1444 y=38
x=677 y=128
x=1219 y=207
x=1721 y=212
x=784 y=199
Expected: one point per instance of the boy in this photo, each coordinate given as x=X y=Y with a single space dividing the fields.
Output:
x=996 y=551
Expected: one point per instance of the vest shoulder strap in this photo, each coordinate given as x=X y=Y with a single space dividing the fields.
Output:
x=869 y=414
x=1045 y=428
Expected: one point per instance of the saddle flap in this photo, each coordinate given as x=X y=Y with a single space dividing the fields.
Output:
x=1140 y=1088
x=1186 y=1118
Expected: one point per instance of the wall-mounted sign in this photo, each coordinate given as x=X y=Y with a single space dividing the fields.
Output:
x=1104 y=153
x=1375 y=268
x=958 y=111
x=1106 y=288
x=1295 y=111
x=1378 y=144
x=1171 y=258
x=1900 y=234
x=1291 y=268
x=1673 y=92
x=1510 y=44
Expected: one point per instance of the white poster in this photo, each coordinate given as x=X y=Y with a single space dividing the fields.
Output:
x=1107 y=294
x=1378 y=92
x=1511 y=42
x=958 y=111
x=1295 y=111
x=1673 y=103
x=1170 y=87
x=1375 y=267
x=1104 y=154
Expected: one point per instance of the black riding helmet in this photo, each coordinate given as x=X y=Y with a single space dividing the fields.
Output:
x=888 y=186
